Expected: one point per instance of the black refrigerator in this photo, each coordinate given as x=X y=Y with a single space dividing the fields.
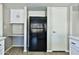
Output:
x=38 y=34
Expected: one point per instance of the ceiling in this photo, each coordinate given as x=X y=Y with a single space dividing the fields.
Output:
x=39 y=6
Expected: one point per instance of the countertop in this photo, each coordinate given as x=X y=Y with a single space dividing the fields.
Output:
x=74 y=37
x=2 y=38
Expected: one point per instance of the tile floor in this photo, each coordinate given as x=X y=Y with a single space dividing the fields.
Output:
x=19 y=51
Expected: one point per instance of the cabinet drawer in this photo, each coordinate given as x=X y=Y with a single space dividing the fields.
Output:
x=74 y=51
x=2 y=44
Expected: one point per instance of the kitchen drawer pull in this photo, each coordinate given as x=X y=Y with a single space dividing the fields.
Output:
x=73 y=43
x=0 y=44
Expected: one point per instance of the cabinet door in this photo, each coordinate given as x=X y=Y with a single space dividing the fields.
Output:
x=74 y=46
x=1 y=20
x=17 y=16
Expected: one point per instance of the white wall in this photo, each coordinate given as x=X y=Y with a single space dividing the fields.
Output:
x=75 y=20
x=48 y=29
x=1 y=20
x=36 y=13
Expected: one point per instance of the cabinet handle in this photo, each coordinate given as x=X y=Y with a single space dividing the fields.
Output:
x=73 y=43
x=0 y=44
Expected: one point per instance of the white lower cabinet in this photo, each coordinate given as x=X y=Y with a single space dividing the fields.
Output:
x=74 y=47
x=74 y=52
x=2 y=52
x=2 y=47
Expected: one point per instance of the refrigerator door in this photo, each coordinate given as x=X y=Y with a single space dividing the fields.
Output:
x=37 y=41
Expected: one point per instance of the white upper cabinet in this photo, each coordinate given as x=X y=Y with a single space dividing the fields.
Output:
x=17 y=16
x=1 y=20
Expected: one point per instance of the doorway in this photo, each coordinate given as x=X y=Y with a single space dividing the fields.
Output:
x=59 y=28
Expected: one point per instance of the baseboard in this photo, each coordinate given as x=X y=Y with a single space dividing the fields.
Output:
x=17 y=45
x=8 y=49
x=49 y=50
